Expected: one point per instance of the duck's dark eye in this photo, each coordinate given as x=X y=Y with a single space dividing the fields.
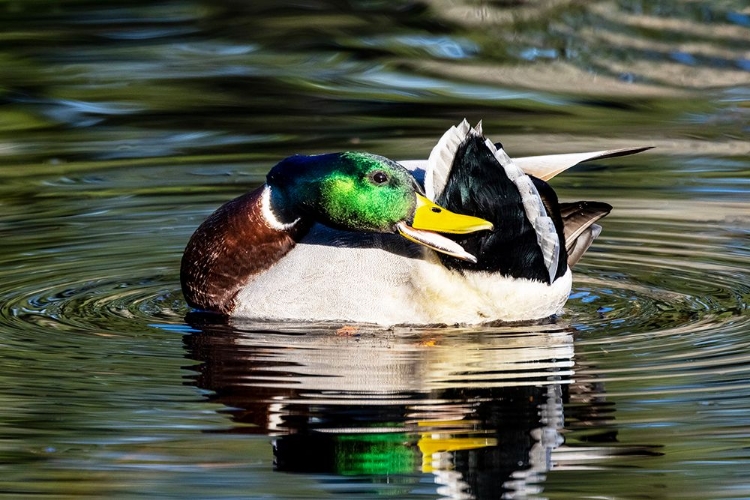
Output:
x=379 y=177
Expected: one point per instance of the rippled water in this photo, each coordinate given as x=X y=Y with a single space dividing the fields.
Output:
x=122 y=126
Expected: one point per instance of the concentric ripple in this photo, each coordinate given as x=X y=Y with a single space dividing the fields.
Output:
x=647 y=275
x=662 y=305
x=100 y=266
x=95 y=305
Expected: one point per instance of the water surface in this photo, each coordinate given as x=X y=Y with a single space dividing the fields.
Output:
x=122 y=126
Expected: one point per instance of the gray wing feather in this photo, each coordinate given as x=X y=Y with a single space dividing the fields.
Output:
x=580 y=228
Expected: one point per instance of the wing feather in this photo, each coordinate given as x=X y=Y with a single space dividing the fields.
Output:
x=579 y=226
x=547 y=166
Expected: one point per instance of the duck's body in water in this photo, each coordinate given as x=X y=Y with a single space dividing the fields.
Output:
x=349 y=237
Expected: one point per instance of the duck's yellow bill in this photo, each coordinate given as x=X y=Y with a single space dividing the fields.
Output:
x=431 y=217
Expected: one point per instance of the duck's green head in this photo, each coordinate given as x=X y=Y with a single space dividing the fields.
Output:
x=364 y=192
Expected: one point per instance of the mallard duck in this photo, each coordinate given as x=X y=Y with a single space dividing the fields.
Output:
x=465 y=237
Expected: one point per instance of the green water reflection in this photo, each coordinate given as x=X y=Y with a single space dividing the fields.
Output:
x=124 y=124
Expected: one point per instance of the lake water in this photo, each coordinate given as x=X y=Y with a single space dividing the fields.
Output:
x=123 y=124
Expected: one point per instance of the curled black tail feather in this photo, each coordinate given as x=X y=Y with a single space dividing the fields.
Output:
x=478 y=185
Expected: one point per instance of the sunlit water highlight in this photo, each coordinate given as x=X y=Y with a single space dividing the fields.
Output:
x=113 y=148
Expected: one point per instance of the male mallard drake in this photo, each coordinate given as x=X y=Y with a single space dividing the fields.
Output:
x=355 y=237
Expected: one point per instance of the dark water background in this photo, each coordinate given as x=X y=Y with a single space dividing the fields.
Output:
x=123 y=124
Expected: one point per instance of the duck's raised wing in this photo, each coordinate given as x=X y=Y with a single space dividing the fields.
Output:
x=547 y=166
x=543 y=167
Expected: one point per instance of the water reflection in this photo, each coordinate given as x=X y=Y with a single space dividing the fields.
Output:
x=480 y=412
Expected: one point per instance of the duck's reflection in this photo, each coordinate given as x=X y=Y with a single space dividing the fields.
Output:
x=482 y=411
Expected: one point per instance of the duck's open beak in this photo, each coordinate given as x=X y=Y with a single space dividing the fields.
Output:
x=429 y=219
